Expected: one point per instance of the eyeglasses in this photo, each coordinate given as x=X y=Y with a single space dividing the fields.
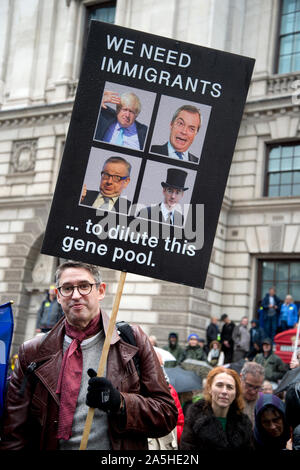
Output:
x=253 y=387
x=115 y=178
x=84 y=288
x=180 y=124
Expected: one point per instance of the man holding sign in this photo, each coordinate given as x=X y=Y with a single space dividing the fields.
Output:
x=47 y=401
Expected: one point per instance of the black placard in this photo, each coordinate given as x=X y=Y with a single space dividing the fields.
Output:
x=180 y=87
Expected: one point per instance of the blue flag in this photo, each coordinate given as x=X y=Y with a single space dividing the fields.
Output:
x=6 y=332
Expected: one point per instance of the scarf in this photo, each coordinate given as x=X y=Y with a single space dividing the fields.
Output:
x=70 y=375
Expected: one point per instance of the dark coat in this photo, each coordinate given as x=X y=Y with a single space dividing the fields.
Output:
x=193 y=352
x=212 y=332
x=266 y=301
x=108 y=116
x=30 y=422
x=121 y=203
x=257 y=335
x=203 y=431
x=49 y=313
x=163 y=150
x=226 y=335
x=274 y=367
x=262 y=440
x=154 y=213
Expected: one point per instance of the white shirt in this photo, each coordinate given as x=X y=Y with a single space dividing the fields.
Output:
x=172 y=153
x=166 y=211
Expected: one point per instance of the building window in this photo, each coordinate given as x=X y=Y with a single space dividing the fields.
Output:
x=289 y=37
x=102 y=12
x=284 y=275
x=283 y=170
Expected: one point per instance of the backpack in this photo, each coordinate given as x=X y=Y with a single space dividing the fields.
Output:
x=126 y=333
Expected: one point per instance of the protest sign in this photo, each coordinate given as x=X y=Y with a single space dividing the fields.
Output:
x=147 y=155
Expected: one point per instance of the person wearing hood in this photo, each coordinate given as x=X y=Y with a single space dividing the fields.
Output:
x=292 y=413
x=174 y=348
x=257 y=334
x=296 y=438
x=271 y=431
x=193 y=349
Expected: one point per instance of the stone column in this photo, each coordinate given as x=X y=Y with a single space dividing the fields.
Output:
x=62 y=85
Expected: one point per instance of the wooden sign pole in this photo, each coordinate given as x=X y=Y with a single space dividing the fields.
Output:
x=103 y=358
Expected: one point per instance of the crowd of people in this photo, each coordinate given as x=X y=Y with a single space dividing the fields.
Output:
x=238 y=408
x=234 y=344
x=54 y=380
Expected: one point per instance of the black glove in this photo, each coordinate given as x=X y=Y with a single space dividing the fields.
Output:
x=102 y=394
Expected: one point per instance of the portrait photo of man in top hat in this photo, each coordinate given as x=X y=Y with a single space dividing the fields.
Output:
x=169 y=211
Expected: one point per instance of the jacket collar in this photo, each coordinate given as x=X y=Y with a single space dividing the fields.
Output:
x=53 y=341
x=50 y=353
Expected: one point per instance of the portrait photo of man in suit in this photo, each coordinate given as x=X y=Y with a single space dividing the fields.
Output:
x=119 y=126
x=184 y=126
x=115 y=177
x=168 y=211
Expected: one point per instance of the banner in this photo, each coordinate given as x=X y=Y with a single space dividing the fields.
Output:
x=6 y=333
x=147 y=155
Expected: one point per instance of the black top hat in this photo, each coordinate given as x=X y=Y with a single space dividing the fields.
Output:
x=175 y=179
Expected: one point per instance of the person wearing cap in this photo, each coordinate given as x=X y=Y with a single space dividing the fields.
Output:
x=174 y=348
x=173 y=191
x=274 y=367
x=184 y=127
x=49 y=312
x=193 y=349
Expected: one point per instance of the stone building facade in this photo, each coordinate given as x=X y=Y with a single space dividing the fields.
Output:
x=41 y=47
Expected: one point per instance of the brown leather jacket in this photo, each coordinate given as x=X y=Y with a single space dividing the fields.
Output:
x=31 y=422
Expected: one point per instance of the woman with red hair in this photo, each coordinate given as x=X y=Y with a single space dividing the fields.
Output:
x=217 y=421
